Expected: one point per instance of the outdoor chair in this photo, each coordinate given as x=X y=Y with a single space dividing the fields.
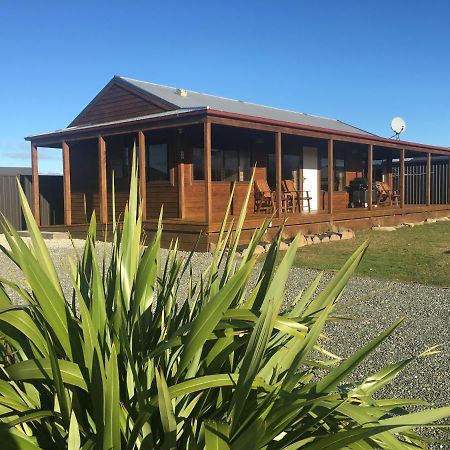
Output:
x=264 y=197
x=385 y=195
x=298 y=197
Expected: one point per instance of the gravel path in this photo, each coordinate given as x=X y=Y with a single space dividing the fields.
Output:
x=372 y=305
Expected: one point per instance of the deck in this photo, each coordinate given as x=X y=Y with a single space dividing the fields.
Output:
x=198 y=232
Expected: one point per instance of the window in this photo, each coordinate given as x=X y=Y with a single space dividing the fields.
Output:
x=230 y=165
x=216 y=164
x=126 y=159
x=339 y=174
x=158 y=166
x=291 y=166
x=244 y=166
x=198 y=168
x=271 y=170
x=377 y=169
x=119 y=165
x=324 y=174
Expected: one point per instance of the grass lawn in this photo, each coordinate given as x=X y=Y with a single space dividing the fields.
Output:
x=420 y=254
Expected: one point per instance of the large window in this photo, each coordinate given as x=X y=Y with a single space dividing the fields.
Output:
x=244 y=172
x=324 y=174
x=119 y=165
x=339 y=174
x=157 y=163
x=230 y=165
x=271 y=170
x=198 y=167
x=291 y=166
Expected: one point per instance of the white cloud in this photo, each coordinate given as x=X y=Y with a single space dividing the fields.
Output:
x=14 y=150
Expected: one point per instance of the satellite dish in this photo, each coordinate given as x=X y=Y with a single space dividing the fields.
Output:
x=398 y=126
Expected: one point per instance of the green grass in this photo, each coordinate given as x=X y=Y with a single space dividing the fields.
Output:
x=420 y=254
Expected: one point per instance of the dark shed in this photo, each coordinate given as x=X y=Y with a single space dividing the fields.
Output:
x=51 y=202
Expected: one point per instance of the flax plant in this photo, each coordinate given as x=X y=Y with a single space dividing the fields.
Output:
x=126 y=361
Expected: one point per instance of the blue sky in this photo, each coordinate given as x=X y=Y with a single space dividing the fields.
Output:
x=361 y=62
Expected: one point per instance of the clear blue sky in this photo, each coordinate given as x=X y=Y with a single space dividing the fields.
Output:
x=360 y=61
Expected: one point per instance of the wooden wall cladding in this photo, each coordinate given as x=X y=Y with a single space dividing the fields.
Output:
x=340 y=200
x=194 y=194
x=114 y=104
x=78 y=214
x=83 y=205
x=121 y=199
x=159 y=194
x=195 y=200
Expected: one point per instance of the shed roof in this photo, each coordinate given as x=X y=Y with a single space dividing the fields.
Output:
x=193 y=99
x=15 y=171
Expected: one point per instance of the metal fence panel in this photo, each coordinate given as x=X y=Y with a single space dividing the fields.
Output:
x=9 y=201
x=416 y=179
x=51 y=198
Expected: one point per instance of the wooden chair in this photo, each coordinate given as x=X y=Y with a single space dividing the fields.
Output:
x=264 y=197
x=298 y=197
x=385 y=195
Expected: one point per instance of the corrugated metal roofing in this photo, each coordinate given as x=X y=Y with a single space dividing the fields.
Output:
x=117 y=122
x=198 y=100
x=15 y=171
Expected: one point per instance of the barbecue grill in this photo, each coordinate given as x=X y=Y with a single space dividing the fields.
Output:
x=358 y=190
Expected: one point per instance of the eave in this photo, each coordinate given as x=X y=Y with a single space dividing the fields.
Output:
x=318 y=132
x=197 y=115
x=142 y=123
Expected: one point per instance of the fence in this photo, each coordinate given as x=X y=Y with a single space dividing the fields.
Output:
x=51 y=198
x=416 y=181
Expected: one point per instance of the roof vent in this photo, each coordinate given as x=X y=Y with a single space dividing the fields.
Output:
x=181 y=92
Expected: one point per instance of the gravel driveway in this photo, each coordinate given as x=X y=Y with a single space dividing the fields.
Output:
x=372 y=305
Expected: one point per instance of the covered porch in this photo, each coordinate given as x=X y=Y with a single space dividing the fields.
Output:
x=312 y=178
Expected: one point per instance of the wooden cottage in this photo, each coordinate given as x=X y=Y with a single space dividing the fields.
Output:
x=311 y=171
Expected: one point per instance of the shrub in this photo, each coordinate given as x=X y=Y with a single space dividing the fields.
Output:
x=125 y=364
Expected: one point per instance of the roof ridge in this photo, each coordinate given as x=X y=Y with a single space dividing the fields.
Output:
x=148 y=82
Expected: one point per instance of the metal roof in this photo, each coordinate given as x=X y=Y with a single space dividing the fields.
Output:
x=193 y=102
x=15 y=171
x=199 y=100
x=115 y=122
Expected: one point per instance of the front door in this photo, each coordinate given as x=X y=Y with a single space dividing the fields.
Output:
x=310 y=176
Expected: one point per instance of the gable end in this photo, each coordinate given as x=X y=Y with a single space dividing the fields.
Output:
x=118 y=102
